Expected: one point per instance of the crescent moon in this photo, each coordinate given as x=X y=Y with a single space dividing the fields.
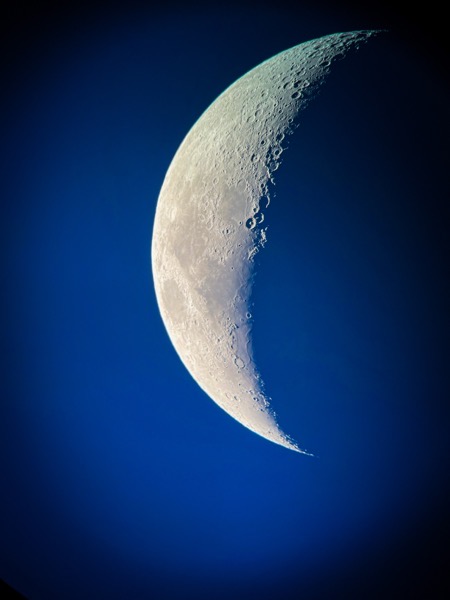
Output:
x=210 y=223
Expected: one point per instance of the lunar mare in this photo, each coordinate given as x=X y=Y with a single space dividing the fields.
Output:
x=211 y=222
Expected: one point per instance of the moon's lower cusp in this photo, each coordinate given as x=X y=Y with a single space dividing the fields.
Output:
x=209 y=224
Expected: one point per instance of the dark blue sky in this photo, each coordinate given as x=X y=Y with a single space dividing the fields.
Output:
x=120 y=478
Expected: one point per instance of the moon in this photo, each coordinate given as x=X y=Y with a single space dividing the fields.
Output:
x=211 y=222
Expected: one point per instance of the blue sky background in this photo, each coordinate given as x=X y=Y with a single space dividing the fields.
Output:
x=120 y=478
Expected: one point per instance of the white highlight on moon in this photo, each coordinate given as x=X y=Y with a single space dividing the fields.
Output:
x=210 y=223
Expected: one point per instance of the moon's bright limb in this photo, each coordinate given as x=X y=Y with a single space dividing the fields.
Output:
x=210 y=223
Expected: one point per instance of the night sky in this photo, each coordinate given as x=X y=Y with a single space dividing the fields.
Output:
x=120 y=478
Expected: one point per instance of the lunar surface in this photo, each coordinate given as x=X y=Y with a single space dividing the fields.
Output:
x=211 y=221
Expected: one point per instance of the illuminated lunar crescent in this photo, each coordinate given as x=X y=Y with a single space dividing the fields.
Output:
x=210 y=223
